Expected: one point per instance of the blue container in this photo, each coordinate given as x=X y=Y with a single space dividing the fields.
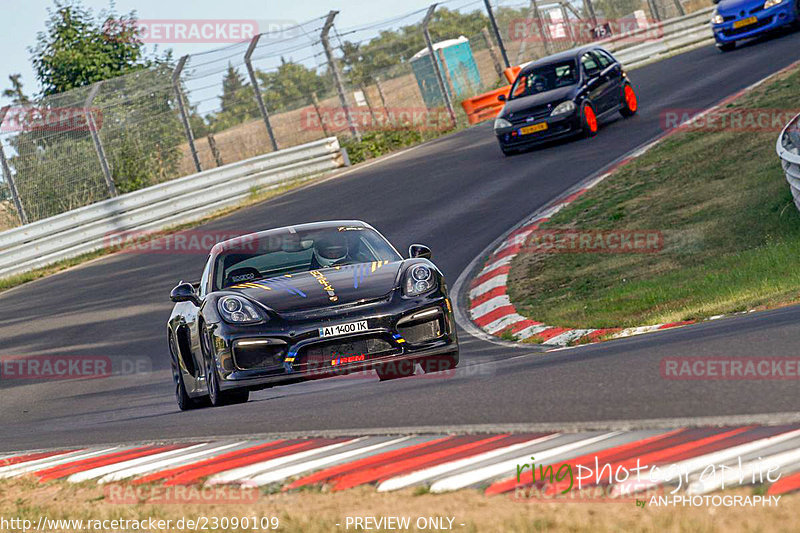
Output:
x=458 y=67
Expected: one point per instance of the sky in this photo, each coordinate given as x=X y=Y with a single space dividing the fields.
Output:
x=23 y=19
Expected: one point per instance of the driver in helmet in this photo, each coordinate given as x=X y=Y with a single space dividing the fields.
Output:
x=329 y=250
x=539 y=83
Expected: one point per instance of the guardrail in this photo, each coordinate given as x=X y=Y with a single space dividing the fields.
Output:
x=675 y=36
x=788 y=148
x=158 y=207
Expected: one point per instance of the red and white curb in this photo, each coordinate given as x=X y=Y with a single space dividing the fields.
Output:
x=442 y=463
x=489 y=305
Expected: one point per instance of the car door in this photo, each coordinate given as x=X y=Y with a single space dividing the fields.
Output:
x=594 y=83
x=611 y=71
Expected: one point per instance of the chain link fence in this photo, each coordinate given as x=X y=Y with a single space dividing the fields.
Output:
x=281 y=89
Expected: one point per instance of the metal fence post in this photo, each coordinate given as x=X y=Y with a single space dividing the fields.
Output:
x=492 y=51
x=187 y=128
x=590 y=11
x=680 y=8
x=337 y=77
x=98 y=146
x=259 y=99
x=654 y=10
x=12 y=187
x=436 y=69
x=496 y=30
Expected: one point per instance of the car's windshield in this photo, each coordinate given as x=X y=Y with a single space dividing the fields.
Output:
x=545 y=78
x=290 y=252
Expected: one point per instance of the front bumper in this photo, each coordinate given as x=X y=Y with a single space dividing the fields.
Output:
x=766 y=20
x=558 y=127
x=297 y=348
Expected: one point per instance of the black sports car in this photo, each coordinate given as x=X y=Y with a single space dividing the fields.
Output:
x=563 y=95
x=306 y=302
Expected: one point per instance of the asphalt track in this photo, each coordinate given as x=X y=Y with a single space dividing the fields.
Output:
x=456 y=194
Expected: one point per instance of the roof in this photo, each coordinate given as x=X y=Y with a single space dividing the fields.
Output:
x=256 y=236
x=441 y=44
x=561 y=56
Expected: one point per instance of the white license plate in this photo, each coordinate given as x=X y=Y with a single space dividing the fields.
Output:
x=343 y=329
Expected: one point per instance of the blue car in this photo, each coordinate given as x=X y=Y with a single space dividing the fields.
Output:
x=734 y=20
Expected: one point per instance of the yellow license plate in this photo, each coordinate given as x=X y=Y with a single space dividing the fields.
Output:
x=533 y=129
x=745 y=22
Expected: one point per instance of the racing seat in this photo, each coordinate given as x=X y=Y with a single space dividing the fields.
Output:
x=241 y=275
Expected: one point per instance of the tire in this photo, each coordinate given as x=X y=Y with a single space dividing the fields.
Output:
x=184 y=401
x=216 y=396
x=396 y=370
x=439 y=363
x=630 y=104
x=588 y=120
x=726 y=47
x=507 y=151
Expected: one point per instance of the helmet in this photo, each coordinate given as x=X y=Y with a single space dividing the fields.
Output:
x=330 y=249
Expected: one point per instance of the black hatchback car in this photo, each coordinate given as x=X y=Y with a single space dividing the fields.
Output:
x=563 y=95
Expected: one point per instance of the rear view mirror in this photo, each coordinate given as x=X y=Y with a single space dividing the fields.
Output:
x=419 y=250
x=501 y=97
x=184 y=292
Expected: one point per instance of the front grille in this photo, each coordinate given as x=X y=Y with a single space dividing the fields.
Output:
x=424 y=331
x=738 y=31
x=338 y=352
x=538 y=113
x=258 y=356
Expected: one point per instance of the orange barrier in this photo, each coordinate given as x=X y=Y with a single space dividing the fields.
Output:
x=484 y=106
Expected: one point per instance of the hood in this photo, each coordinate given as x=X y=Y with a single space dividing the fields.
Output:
x=324 y=287
x=555 y=96
x=735 y=7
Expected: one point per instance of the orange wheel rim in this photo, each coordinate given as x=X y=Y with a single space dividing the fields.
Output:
x=630 y=98
x=591 y=119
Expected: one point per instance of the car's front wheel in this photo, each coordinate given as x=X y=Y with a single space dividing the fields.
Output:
x=630 y=103
x=216 y=395
x=588 y=120
x=184 y=401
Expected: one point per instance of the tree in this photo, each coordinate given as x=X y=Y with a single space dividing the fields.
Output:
x=290 y=86
x=77 y=49
x=15 y=93
x=237 y=103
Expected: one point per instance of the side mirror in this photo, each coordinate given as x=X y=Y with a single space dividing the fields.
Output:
x=419 y=250
x=184 y=292
x=501 y=97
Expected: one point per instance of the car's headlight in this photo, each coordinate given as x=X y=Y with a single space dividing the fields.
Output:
x=717 y=18
x=500 y=123
x=771 y=3
x=564 y=108
x=419 y=280
x=237 y=310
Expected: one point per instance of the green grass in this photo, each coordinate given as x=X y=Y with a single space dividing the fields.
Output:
x=731 y=233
